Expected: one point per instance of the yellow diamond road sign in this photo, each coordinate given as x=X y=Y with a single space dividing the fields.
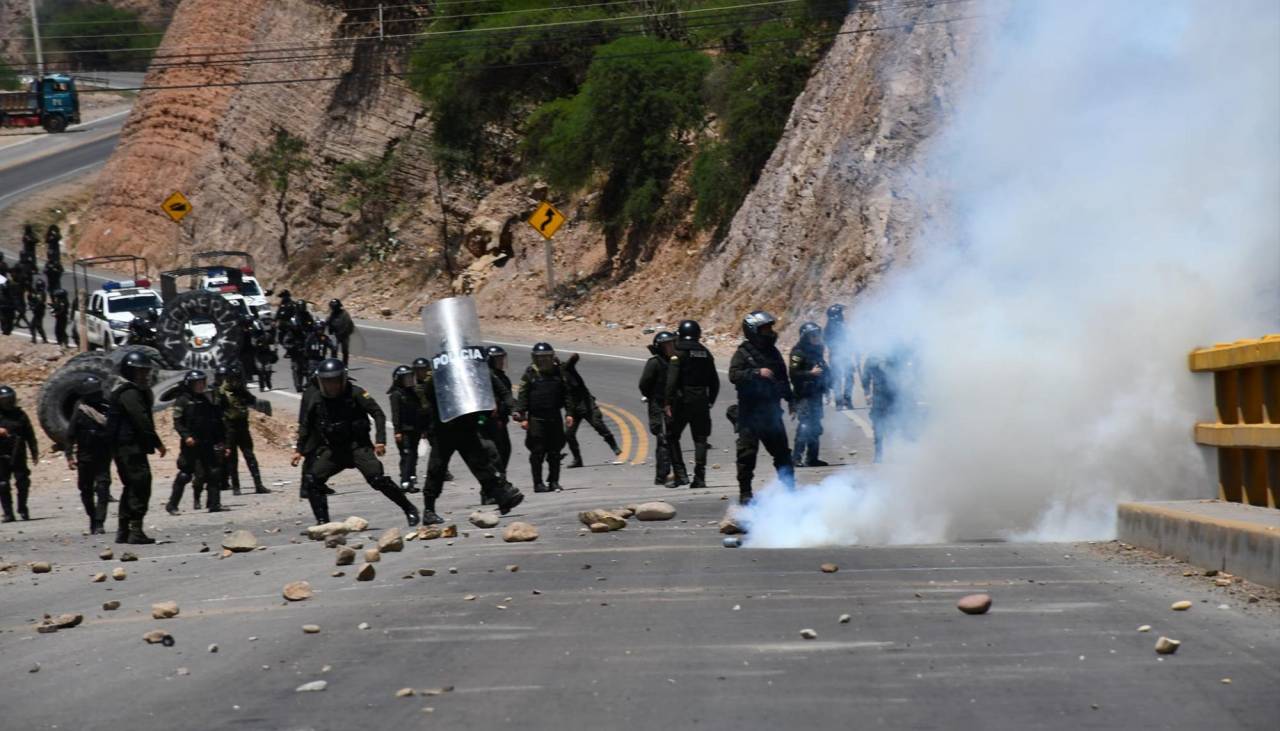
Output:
x=546 y=220
x=176 y=206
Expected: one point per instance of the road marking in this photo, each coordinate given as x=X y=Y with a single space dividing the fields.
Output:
x=642 y=434
x=623 y=429
x=861 y=421
x=76 y=127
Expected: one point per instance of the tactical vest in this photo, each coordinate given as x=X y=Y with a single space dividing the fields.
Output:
x=546 y=393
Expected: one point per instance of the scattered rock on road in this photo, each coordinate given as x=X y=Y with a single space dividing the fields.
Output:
x=974 y=604
x=312 y=687
x=164 y=610
x=213 y=648
x=655 y=511
x=599 y=528
x=483 y=519
x=41 y=567
x=450 y=531
x=607 y=518
x=1181 y=606
x=730 y=526
x=111 y=606
x=426 y=572
x=240 y=541
x=158 y=637
x=325 y=530
x=345 y=556
x=404 y=692
x=844 y=619
x=126 y=556
x=829 y=568
x=334 y=541
x=311 y=629
x=520 y=532
x=106 y=554
x=429 y=532
x=391 y=541
x=296 y=591
x=355 y=524
x=372 y=555
x=1166 y=646
x=119 y=574
x=808 y=634
x=366 y=573
x=98 y=578
x=512 y=568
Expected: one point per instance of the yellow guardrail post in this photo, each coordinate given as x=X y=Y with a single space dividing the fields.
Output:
x=1246 y=385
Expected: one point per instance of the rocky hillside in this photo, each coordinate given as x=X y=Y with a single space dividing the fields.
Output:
x=332 y=184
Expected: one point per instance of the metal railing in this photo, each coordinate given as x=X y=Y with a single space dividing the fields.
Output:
x=1246 y=380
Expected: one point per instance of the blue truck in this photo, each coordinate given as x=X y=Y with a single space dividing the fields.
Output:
x=50 y=102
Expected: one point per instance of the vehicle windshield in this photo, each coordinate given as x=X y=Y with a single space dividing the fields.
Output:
x=134 y=303
x=248 y=286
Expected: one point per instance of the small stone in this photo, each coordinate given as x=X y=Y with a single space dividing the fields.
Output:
x=1253 y=599
x=355 y=524
x=483 y=519
x=1222 y=582
x=204 y=548
x=158 y=637
x=324 y=531
x=657 y=510
x=66 y=621
x=296 y=591
x=213 y=648
x=730 y=526
x=164 y=610
x=111 y=606
x=1211 y=572
x=829 y=568
x=35 y=668
x=119 y=574
x=240 y=541
x=512 y=568
x=226 y=553
x=372 y=555
x=450 y=531
x=453 y=570
x=426 y=572
x=311 y=629
x=312 y=687
x=1145 y=628
x=335 y=541
x=429 y=532
x=1166 y=646
x=126 y=556
x=183 y=671
x=366 y=573
x=41 y=567
x=1226 y=681
x=1181 y=606
x=98 y=578
x=336 y=574
x=808 y=634
x=599 y=528
x=974 y=604
x=469 y=598
x=106 y=554
x=535 y=592
x=404 y=692
x=391 y=541
x=345 y=556
x=362 y=625
x=437 y=691
x=844 y=619
x=520 y=532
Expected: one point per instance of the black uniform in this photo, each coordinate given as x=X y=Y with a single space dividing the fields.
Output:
x=195 y=416
x=317 y=347
x=808 y=389
x=759 y=419
x=586 y=410
x=53 y=274
x=61 y=311
x=410 y=420
x=691 y=391
x=8 y=310
x=334 y=432
x=541 y=398
x=19 y=439
x=341 y=326
x=844 y=363
x=496 y=426
x=37 y=302
x=461 y=435
x=89 y=449
x=134 y=437
x=234 y=401
x=653 y=386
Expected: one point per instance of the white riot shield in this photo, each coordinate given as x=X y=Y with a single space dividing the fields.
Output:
x=460 y=369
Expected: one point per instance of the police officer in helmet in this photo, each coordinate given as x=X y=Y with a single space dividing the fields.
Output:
x=333 y=429
x=16 y=439
x=692 y=387
x=133 y=439
x=809 y=376
x=202 y=453
x=544 y=396
x=653 y=387
x=88 y=450
x=760 y=375
x=407 y=421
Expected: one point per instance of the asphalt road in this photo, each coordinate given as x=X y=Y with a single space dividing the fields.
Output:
x=656 y=626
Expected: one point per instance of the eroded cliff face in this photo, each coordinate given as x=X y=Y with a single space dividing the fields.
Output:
x=831 y=211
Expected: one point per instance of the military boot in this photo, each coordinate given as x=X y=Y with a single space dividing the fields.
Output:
x=256 y=473
x=613 y=444
x=122 y=530
x=535 y=466
x=136 y=536
x=6 y=502
x=429 y=515
x=507 y=497
x=553 y=477
x=577 y=457
x=235 y=482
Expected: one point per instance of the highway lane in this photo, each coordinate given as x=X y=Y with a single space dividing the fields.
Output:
x=40 y=144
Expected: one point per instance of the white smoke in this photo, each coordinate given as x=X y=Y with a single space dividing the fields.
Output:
x=1113 y=177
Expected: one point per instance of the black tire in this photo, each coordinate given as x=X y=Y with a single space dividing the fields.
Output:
x=55 y=123
x=56 y=399
x=88 y=357
x=223 y=349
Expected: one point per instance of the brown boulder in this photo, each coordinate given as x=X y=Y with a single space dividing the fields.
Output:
x=520 y=532
x=296 y=591
x=974 y=604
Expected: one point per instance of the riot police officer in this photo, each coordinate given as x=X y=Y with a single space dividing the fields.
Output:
x=16 y=439
x=587 y=411
x=234 y=400
x=318 y=346
x=37 y=302
x=133 y=438
x=760 y=375
x=202 y=451
x=496 y=431
x=544 y=392
x=294 y=341
x=422 y=375
x=844 y=362
x=333 y=429
x=61 y=312
x=408 y=421
x=341 y=327
x=89 y=450
x=691 y=390
x=808 y=373
x=653 y=386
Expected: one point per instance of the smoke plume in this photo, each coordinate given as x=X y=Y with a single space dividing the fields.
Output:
x=1112 y=183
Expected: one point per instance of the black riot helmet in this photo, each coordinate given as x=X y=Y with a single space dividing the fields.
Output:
x=421 y=368
x=40 y=285
x=810 y=332
x=135 y=367
x=58 y=294
x=285 y=296
x=757 y=327
x=335 y=304
x=689 y=330
x=835 y=312
x=332 y=377
x=195 y=380
x=8 y=397
x=661 y=338
x=233 y=372
x=497 y=357
x=89 y=387
x=543 y=355
x=402 y=376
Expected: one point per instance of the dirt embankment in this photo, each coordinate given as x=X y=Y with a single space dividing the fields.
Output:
x=830 y=213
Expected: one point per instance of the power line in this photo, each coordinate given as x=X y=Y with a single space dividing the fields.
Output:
x=409 y=74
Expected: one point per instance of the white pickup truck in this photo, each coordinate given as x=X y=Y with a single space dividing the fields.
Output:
x=112 y=308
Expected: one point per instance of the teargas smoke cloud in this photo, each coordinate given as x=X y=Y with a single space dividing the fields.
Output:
x=1112 y=183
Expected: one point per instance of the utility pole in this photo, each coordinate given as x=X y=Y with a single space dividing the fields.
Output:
x=35 y=36
x=381 y=35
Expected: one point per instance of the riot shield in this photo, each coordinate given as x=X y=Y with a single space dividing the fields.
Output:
x=460 y=370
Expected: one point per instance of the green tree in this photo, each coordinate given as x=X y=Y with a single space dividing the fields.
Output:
x=80 y=35
x=277 y=165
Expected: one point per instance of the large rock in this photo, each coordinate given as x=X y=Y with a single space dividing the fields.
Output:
x=655 y=511
x=355 y=524
x=366 y=573
x=324 y=530
x=483 y=519
x=164 y=610
x=372 y=555
x=429 y=532
x=240 y=541
x=604 y=517
x=296 y=591
x=391 y=541
x=520 y=532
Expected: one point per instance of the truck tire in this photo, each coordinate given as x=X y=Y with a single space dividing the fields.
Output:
x=87 y=357
x=55 y=123
x=222 y=349
x=56 y=398
x=120 y=351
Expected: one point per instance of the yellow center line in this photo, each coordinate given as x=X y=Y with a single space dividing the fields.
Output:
x=642 y=434
x=623 y=429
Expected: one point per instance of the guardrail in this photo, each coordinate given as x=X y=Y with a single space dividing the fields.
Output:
x=1246 y=381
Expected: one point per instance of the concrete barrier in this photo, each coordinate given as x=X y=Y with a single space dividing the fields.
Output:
x=1243 y=540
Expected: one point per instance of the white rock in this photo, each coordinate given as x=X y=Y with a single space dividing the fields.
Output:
x=655 y=511
x=313 y=686
x=240 y=541
x=483 y=519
